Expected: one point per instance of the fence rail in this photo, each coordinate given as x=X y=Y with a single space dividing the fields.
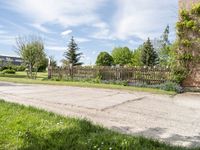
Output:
x=149 y=75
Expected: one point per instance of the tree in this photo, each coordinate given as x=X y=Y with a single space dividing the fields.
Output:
x=53 y=62
x=149 y=56
x=71 y=55
x=122 y=55
x=104 y=59
x=31 y=50
x=43 y=65
x=164 y=50
x=136 y=57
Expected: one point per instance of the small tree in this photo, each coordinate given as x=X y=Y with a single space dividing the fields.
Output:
x=164 y=49
x=136 y=57
x=149 y=56
x=31 y=50
x=71 y=55
x=53 y=62
x=122 y=55
x=104 y=59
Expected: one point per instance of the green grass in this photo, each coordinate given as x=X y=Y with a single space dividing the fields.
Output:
x=20 y=77
x=27 y=128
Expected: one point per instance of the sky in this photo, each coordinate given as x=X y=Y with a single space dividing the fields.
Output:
x=97 y=25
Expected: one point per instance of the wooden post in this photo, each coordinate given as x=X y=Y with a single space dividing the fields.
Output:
x=49 y=69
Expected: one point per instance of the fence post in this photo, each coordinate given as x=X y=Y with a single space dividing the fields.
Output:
x=71 y=68
x=49 y=69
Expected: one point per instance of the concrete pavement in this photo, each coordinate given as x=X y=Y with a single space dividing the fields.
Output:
x=173 y=119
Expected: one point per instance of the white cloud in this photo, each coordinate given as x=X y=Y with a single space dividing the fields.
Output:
x=65 y=33
x=40 y=28
x=63 y=12
x=56 y=48
x=143 y=18
x=81 y=40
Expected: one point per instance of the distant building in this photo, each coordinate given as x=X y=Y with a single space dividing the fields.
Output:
x=8 y=59
x=187 y=4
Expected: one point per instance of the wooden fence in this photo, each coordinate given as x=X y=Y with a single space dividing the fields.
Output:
x=149 y=75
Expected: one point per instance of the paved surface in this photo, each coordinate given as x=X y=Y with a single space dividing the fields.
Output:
x=171 y=119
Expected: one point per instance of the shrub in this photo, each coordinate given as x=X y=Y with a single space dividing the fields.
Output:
x=3 y=68
x=8 y=71
x=167 y=86
x=20 y=68
x=171 y=86
x=179 y=74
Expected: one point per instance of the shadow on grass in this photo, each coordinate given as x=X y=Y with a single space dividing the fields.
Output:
x=86 y=136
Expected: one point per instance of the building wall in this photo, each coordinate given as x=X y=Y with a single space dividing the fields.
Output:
x=192 y=81
x=7 y=59
x=187 y=3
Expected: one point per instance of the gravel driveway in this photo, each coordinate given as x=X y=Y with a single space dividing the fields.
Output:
x=173 y=119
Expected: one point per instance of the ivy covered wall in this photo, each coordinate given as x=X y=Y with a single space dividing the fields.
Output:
x=188 y=53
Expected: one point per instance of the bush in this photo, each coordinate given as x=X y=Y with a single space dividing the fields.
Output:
x=4 y=68
x=171 y=86
x=20 y=68
x=8 y=71
x=167 y=86
x=179 y=74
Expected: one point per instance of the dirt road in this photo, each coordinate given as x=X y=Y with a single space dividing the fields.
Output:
x=174 y=119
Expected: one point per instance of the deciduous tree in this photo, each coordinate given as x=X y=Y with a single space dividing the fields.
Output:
x=31 y=50
x=104 y=59
x=122 y=55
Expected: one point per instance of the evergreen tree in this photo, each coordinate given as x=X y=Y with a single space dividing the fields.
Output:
x=149 y=56
x=71 y=55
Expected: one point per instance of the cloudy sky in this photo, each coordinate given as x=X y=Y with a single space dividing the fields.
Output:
x=97 y=25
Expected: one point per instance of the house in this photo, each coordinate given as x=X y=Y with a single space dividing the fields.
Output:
x=8 y=59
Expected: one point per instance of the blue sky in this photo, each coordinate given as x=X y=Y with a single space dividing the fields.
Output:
x=97 y=25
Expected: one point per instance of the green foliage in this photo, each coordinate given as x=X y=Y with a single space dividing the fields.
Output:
x=185 y=15
x=8 y=71
x=43 y=65
x=104 y=59
x=164 y=48
x=136 y=57
x=167 y=86
x=171 y=86
x=188 y=28
x=31 y=50
x=196 y=9
x=53 y=62
x=19 y=68
x=149 y=56
x=179 y=74
x=14 y=67
x=71 y=55
x=185 y=43
x=27 y=128
x=122 y=55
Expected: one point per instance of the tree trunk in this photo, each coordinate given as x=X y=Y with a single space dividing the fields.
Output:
x=31 y=71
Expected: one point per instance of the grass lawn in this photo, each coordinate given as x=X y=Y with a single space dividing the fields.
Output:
x=20 y=77
x=27 y=128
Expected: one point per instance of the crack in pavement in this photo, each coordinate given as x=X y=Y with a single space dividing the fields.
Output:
x=117 y=105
